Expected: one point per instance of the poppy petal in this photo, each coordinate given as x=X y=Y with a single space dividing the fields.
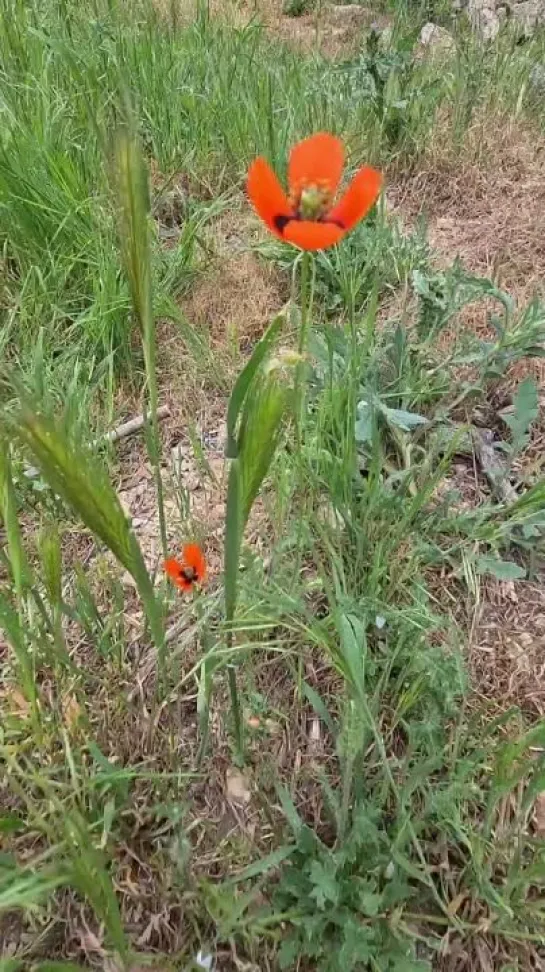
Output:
x=174 y=569
x=193 y=557
x=358 y=198
x=267 y=196
x=318 y=159
x=308 y=235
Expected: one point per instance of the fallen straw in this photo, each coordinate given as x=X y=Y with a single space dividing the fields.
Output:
x=120 y=432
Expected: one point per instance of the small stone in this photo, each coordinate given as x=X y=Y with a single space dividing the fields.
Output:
x=237 y=786
x=484 y=19
x=436 y=40
x=528 y=15
x=184 y=468
x=204 y=961
x=330 y=516
x=539 y=815
x=537 y=79
x=385 y=39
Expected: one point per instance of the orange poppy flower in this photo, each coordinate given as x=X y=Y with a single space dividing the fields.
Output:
x=190 y=570
x=308 y=216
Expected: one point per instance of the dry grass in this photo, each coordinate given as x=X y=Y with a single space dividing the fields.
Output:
x=508 y=655
x=488 y=206
x=237 y=296
x=332 y=30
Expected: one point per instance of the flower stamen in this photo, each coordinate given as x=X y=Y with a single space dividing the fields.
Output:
x=311 y=200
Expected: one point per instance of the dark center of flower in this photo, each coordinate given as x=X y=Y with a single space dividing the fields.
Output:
x=189 y=574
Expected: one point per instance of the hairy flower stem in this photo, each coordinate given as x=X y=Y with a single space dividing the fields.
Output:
x=154 y=443
x=238 y=733
x=307 y=299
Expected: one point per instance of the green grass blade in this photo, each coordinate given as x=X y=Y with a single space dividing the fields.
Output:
x=8 y=507
x=133 y=194
x=81 y=482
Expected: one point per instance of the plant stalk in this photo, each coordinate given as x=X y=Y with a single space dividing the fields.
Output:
x=238 y=731
x=307 y=295
x=155 y=451
x=234 y=528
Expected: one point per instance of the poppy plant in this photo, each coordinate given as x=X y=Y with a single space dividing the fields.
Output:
x=188 y=571
x=308 y=216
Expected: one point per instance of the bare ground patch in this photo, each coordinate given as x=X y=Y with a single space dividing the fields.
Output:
x=488 y=209
x=236 y=297
x=508 y=654
x=488 y=206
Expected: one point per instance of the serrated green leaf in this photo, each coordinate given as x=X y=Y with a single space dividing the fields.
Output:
x=503 y=570
x=289 y=952
x=525 y=410
x=526 y=403
x=403 y=419
x=369 y=903
x=359 y=944
x=325 y=888
x=364 y=424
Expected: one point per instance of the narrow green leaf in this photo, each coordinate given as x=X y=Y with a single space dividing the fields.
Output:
x=10 y=824
x=49 y=547
x=26 y=890
x=90 y=874
x=265 y=406
x=18 y=563
x=353 y=650
x=319 y=707
x=265 y=864
x=131 y=180
x=244 y=381
x=16 y=637
x=10 y=964
x=290 y=811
